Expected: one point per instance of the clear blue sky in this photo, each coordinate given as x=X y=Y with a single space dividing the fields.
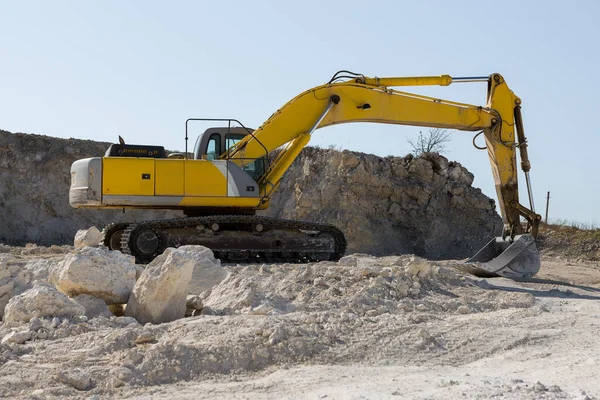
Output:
x=95 y=70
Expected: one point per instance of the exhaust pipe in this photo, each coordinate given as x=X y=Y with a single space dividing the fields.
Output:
x=516 y=257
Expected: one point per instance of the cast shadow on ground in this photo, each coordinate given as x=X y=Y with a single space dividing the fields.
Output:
x=512 y=286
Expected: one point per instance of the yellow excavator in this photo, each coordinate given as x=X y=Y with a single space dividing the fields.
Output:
x=233 y=171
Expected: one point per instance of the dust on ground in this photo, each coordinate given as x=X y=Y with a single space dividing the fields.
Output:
x=366 y=327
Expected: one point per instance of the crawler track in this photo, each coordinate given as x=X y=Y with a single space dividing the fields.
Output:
x=233 y=238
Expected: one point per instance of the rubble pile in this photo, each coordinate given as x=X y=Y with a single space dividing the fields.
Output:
x=186 y=316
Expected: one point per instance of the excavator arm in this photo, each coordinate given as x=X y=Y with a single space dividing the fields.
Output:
x=363 y=99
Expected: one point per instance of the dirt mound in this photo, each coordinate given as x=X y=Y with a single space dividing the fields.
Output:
x=362 y=309
x=569 y=242
x=392 y=326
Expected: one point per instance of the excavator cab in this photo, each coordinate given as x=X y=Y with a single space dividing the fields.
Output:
x=216 y=142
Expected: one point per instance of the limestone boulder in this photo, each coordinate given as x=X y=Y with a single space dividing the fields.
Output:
x=105 y=274
x=208 y=272
x=17 y=337
x=87 y=237
x=160 y=293
x=42 y=300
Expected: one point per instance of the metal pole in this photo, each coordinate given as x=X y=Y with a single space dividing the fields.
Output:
x=547 y=203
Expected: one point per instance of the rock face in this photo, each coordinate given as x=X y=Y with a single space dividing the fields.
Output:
x=87 y=237
x=108 y=275
x=34 y=190
x=42 y=300
x=160 y=293
x=391 y=205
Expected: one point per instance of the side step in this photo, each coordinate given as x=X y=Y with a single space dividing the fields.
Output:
x=510 y=258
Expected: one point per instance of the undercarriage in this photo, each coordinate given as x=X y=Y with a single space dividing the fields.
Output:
x=232 y=238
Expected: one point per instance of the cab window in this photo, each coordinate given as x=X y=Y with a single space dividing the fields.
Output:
x=232 y=139
x=213 y=150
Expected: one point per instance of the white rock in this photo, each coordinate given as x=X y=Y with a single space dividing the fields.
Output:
x=80 y=380
x=145 y=337
x=87 y=237
x=463 y=309
x=208 y=272
x=276 y=337
x=349 y=261
x=39 y=268
x=94 y=307
x=424 y=334
x=14 y=279
x=35 y=324
x=160 y=293
x=126 y=321
x=262 y=353
x=42 y=300
x=17 y=337
x=261 y=309
x=194 y=302
x=415 y=290
x=6 y=292
x=108 y=275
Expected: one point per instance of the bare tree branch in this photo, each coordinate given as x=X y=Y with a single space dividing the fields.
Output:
x=434 y=141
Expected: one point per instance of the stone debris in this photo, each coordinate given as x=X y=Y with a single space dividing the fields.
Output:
x=207 y=269
x=194 y=305
x=194 y=302
x=87 y=237
x=145 y=337
x=126 y=321
x=160 y=293
x=94 y=307
x=261 y=309
x=42 y=300
x=256 y=318
x=17 y=337
x=108 y=275
x=12 y=280
x=463 y=310
x=80 y=380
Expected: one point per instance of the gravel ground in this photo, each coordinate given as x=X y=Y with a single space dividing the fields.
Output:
x=366 y=327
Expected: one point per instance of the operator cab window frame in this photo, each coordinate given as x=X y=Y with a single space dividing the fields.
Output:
x=231 y=139
x=213 y=147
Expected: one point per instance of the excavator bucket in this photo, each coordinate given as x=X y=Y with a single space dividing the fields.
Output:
x=510 y=258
